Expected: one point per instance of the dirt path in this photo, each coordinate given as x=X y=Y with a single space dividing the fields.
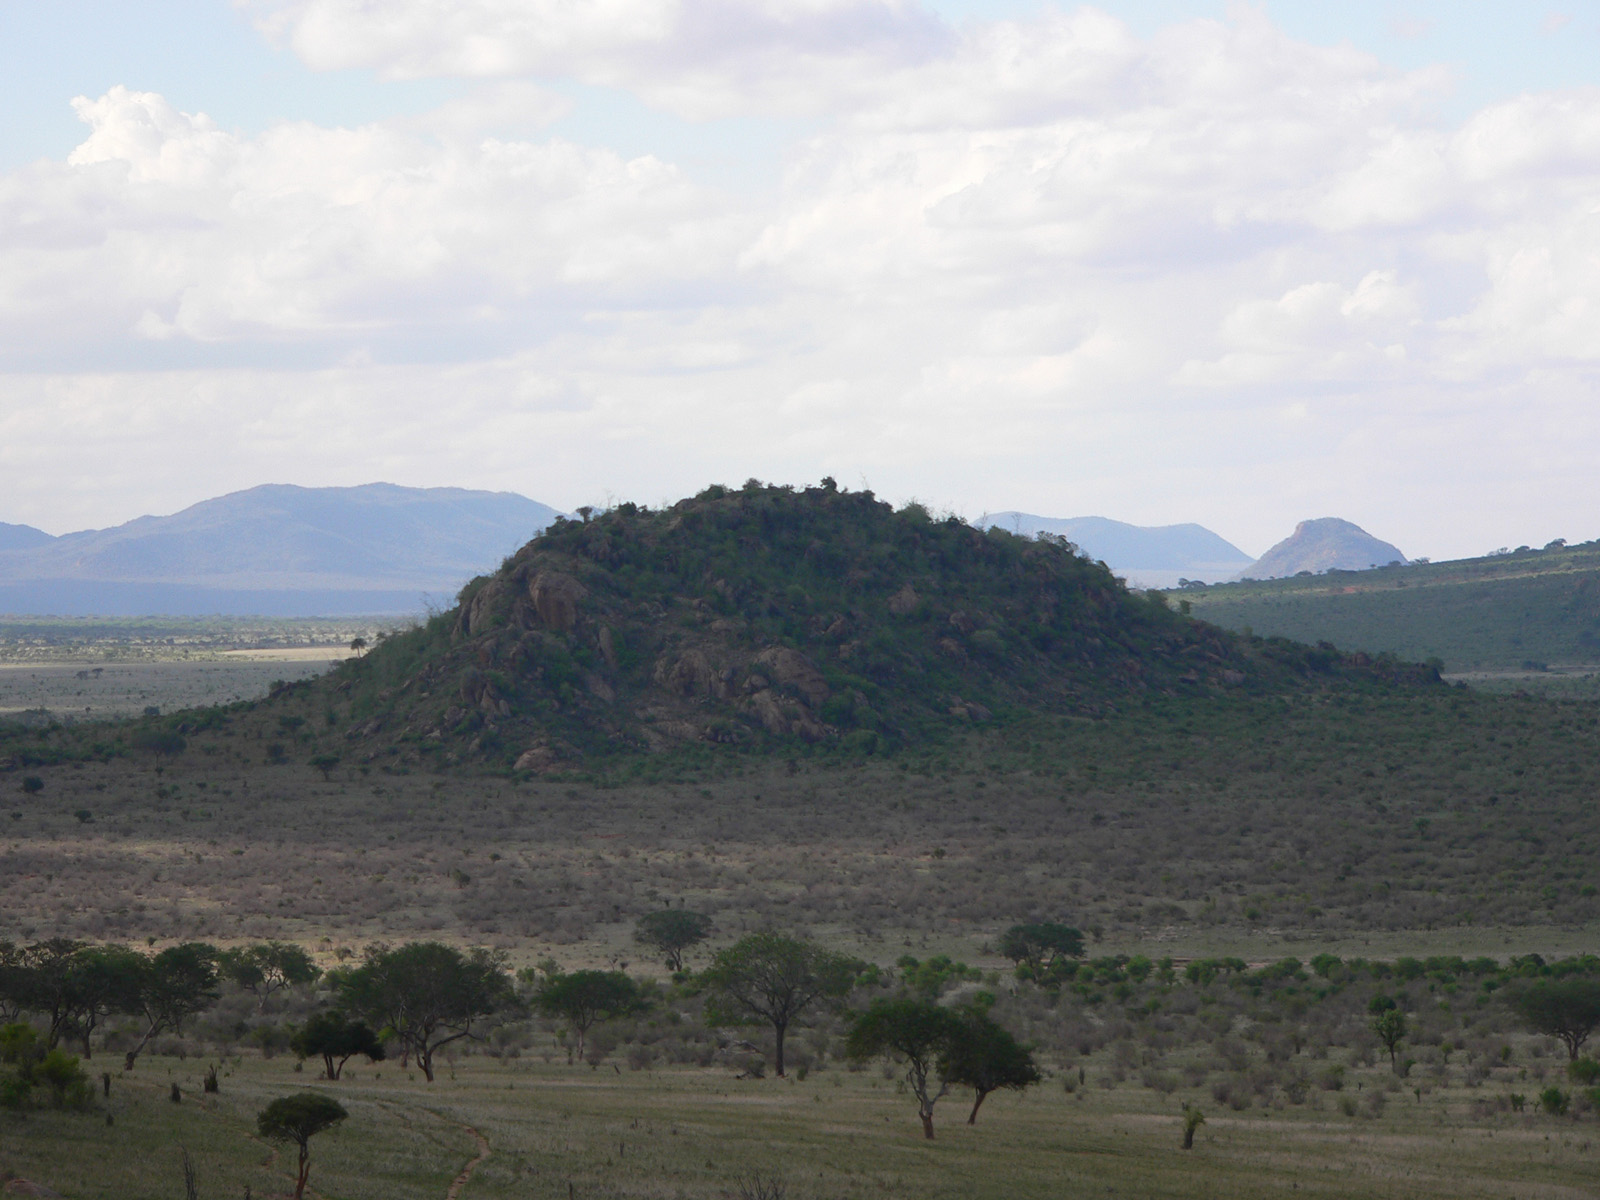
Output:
x=466 y=1172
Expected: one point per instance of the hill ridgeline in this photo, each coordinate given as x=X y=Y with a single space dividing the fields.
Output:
x=770 y=617
x=1323 y=545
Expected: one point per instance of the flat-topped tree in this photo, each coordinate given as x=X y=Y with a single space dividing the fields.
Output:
x=672 y=931
x=298 y=1119
x=268 y=967
x=583 y=999
x=985 y=1057
x=336 y=1040
x=175 y=985
x=1037 y=947
x=767 y=978
x=426 y=995
x=1568 y=1009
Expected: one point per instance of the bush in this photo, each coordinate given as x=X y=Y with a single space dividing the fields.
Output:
x=31 y=1077
x=1554 y=1101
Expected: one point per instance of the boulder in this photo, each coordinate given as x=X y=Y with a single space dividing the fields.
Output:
x=790 y=668
x=690 y=674
x=904 y=602
x=554 y=596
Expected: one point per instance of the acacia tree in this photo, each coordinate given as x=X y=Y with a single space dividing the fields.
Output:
x=1037 y=947
x=985 y=1057
x=919 y=1034
x=298 y=1119
x=768 y=978
x=585 y=998
x=1568 y=1009
x=672 y=931
x=43 y=984
x=267 y=967
x=173 y=986
x=425 y=994
x=337 y=1039
x=102 y=980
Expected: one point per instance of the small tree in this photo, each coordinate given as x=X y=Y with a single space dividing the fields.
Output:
x=585 y=998
x=336 y=1039
x=772 y=979
x=985 y=1057
x=916 y=1032
x=1568 y=1009
x=671 y=931
x=267 y=967
x=1037 y=947
x=298 y=1119
x=175 y=985
x=425 y=994
x=1193 y=1118
x=1389 y=1026
x=325 y=763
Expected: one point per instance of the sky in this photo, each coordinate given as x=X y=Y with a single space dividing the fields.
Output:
x=1157 y=260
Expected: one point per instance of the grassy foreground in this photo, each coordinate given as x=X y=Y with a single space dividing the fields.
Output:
x=532 y=1129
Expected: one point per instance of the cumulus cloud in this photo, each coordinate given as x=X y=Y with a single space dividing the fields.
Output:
x=1045 y=264
x=701 y=58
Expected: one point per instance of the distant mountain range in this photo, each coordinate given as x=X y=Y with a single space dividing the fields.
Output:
x=1322 y=545
x=1146 y=556
x=275 y=550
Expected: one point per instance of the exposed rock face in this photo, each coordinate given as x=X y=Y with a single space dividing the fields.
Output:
x=1322 y=545
x=555 y=596
x=904 y=602
x=691 y=674
x=790 y=668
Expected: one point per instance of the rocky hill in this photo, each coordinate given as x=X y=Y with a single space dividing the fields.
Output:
x=766 y=617
x=1323 y=545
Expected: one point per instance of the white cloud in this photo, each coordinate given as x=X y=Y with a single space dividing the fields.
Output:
x=701 y=58
x=1043 y=264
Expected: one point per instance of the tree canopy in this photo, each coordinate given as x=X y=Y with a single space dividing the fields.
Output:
x=917 y=1032
x=1037 y=947
x=298 y=1119
x=672 y=931
x=985 y=1057
x=336 y=1039
x=267 y=967
x=1568 y=1009
x=584 y=998
x=425 y=994
x=771 y=978
x=177 y=983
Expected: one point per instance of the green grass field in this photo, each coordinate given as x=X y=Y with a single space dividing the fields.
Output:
x=1485 y=614
x=528 y=1128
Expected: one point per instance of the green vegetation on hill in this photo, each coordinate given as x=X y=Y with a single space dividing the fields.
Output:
x=765 y=615
x=1537 y=607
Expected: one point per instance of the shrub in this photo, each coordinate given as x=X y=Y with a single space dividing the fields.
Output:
x=1554 y=1101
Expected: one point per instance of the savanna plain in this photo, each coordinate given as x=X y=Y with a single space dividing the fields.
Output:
x=1256 y=880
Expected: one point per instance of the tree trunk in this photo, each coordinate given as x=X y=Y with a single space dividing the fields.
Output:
x=333 y=1071
x=972 y=1117
x=1188 y=1137
x=425 y=1061
x=305 y=1171
x=780 y=1027
x=927 y=1122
